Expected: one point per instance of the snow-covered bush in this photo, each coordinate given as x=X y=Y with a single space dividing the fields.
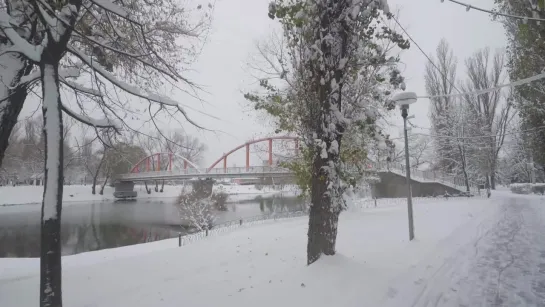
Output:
x=522 y=188
x=219 y=200
x=196 y=210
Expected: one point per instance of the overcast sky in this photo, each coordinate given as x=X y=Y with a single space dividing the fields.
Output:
x=238 y=24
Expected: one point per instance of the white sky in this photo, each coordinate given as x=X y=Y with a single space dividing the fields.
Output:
x=238 y=24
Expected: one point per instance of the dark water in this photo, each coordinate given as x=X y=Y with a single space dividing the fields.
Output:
x=94 y=226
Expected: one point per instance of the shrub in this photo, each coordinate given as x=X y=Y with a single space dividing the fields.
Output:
x=219 y=199
x=196 y=209
x=521 y=188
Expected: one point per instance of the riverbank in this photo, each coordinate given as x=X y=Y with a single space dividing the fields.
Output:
x=266 y=264
x=29 y=195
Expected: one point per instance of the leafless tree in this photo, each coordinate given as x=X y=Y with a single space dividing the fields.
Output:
x=96 y=50
x=440 y=78
x=490 y=112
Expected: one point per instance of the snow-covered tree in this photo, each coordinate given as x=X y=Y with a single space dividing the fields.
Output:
x=440 y=78
x=331 y=44
x=525 y=58
x=468 y=130
x=111 y=47
x=490 y=113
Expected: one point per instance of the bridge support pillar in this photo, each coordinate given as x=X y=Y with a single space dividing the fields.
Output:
x=270 y=152
x=247 y=157
x=203 y=187
x=124 y=189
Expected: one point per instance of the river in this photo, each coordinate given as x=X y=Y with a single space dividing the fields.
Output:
x=100 y=225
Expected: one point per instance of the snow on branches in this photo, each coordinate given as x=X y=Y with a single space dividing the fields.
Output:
x=135 y=46
x=117 y=47
x=338 y=45
x=333 y=45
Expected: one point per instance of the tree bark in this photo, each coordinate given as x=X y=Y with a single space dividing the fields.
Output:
x=50 y=258
x=104 y=184
x=323 y=217
x=11 y=99
x=95 y=177
x=493 y=176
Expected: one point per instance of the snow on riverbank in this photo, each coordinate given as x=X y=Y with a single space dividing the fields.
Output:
x=249 y=192
x=263 y=265
x=20 y=195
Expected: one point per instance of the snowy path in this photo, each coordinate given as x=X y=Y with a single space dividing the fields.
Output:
x=498 y=260
x=468 y=252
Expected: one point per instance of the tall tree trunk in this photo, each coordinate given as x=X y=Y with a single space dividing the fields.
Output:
x=12 y=95
x=95 y=177
x=464 y=166
x=493 y=180
x=323 y=217
x=50 y=258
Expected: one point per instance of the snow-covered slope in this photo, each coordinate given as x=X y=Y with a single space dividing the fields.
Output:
x=265 y=265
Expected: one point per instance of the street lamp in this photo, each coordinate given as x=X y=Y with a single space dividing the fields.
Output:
x=403 y=100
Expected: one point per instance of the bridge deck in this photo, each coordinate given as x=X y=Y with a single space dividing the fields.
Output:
x=278 y=172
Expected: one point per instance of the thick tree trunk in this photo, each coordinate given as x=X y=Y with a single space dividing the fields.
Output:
x=323 y=218
x=50 y=258
x=12 y=95
x=493 y=180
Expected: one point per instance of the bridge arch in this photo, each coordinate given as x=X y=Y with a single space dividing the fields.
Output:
x=247 y=145
x=152 y=163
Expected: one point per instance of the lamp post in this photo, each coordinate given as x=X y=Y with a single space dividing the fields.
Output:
x=403 y=100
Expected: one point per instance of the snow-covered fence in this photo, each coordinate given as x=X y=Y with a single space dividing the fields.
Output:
x=235 y=224
x=527 y=188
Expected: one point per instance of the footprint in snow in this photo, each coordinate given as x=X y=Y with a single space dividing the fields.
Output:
x=392 y=292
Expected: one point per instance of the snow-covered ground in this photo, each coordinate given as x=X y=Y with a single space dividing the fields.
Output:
x=467 y=252
x=19 y=195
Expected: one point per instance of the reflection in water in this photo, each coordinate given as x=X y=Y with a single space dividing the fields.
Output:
x=108 y=225
x=24 y=241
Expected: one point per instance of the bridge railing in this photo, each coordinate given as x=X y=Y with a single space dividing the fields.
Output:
x=202 y=172
x=251 y=169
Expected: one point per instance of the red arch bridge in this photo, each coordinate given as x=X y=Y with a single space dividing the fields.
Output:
x=168 y=166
